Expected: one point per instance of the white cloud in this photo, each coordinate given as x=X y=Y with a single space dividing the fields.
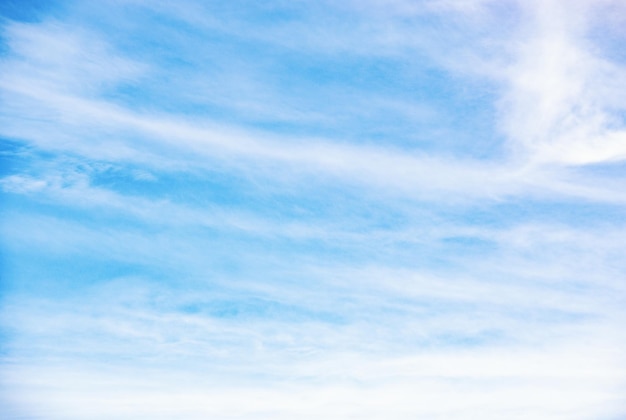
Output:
x=58 y=55
x=552 y=383
x=22 y=184
x=560 y=103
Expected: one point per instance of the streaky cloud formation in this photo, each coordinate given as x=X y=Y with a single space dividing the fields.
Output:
x=375 y=209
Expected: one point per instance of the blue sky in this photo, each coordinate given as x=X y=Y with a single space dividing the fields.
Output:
x=294 y=209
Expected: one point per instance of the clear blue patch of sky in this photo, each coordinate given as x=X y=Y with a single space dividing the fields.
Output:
x=253 y=307
x=43 y=273
x=29 y=10
x=12 y=159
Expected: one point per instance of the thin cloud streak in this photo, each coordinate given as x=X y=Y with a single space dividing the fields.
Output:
x=408 y=174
